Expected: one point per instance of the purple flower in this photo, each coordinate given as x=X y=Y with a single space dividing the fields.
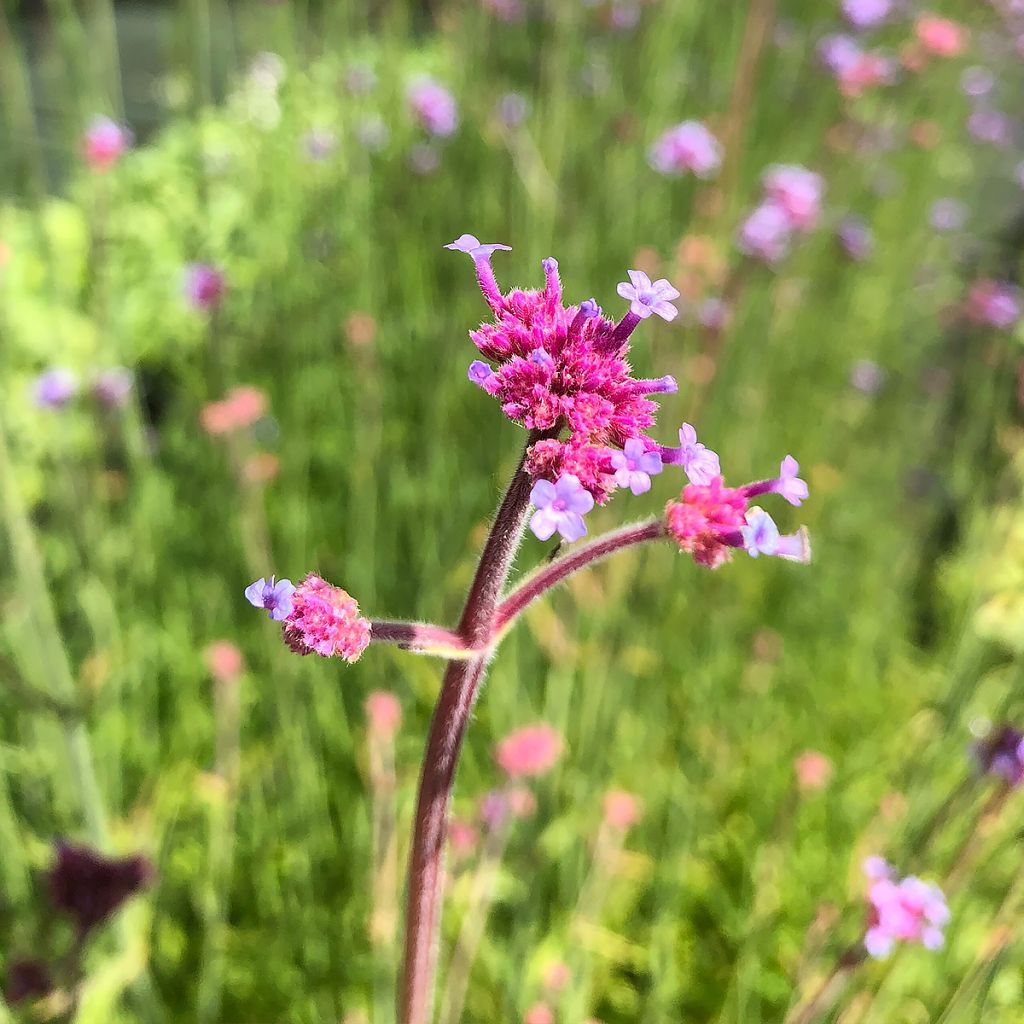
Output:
x=867 y=377
x=866 y=13
x=766 y=233
x=991 y=126
x=560 y=506
x=688 y=146
x=646 y=298
x=761 y=537
x=472 y=246
x=947 y=215
x=1001 y=753
x=839 y=53
x=700 y=464
x=479 y=371
x=856 y=238
x=434 y=106
x=796 y=191
x=104 y=143
x=275 y=597
x=27 y=979
x=89 y=888
x=909 y=910
x=634 y=466
x=54 y=388
x=204 y=286
x=512 y=109
x=789 y=485
x=977 y=81
x=112 y=387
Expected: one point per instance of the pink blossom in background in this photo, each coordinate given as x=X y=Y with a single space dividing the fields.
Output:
x=947 y=215
x=462 y=837
x=241 y=407
x=977 y=82
x=940 y=37
x=797 y=191
x=104 y=143
x=224 y=661
x=994 y=303
x=512 y=109
x=908 y=910
x=261 y=468
x=838 y=52
x=529 y=751
x=622 y=810
x=383 y=714
x=866 y=13
x=624 y=15
x=813 y=770
x=325 y=620
x=204 y=286
x=688 y=146
x=868 y=70
x=112 y=387
x=991 y=126
x=434 y=106
x=557 y=976
x=54 y=388
x=766 y=234
x=539 y=1013
x=714 y=314
x=856 y=238
x=521 y=802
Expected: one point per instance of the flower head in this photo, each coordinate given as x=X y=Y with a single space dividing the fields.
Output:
x=112 y=387
x=813 y=770
x=688 y=146
x=908 y=910
x=634 y=466
x=383 y=713
x=866 y=13
x=529 y=751
x=622 y=810
x=89 y=887
x=940 y=36
x=560 y=506
x=761 y=537
x=434 y=106
x=947 y=215
x=797 y=192
x=276 y=597
x=224 y=660
x=994 y=303
x=766 y=233
x=472 y=246
x=646 y=298
x=856 y=238
x=700 y=464
x=54 y=388
x=104 y=143
x=204 y=286
x=325 y=620
x=1001 y=753
x=789 y=484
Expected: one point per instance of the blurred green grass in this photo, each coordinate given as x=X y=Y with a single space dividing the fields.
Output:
x=694 y=690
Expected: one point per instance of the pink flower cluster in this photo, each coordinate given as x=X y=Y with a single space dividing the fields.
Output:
x=855 y=69
x=908 y=910
x=688 y=146
x=434 y=106
x=531 y=750
x=241 y=407
x=791 y=204
x=325 y=620
x=710 y=520
x=104 y=143
x=561 y=368
x=994 y=303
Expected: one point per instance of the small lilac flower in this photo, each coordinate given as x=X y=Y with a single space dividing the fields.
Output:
x=839 y=53
x=991 y=126
x=560 y=506
x=1001 y=753
x=977 y=81
x=112 y=387
x=204 y=286
x=542 y=357
x=995 y=303
x=761 y=537
x=866 y=13
x=434 y=106
x=947 y=215
x=509 y=11
x=646 y=298
x=789 y=485
x=688 y=146
x=512 y=109
x=856 y=238
x=472 y=246
x=275 y=597
x=909 y=910
x=479 y=371
x=867 y=377
x=634 y=466
x=765 y=234
x=700 y=464
x=54 y=388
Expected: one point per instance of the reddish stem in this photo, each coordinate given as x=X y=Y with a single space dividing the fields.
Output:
x=558 y=571
x=444 y=742
x=417 y=636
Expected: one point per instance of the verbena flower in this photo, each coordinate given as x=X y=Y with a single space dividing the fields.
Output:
x=54 y=388
x=434 y=106
x=866 y=13
x=560 y=506
x=766 y=233
x=564 y=369
x=700 y=464
x=688 y=146
x=995 y=303
x=709 y=521
x=797 y=192
x=529 y=751
x=276 y=597
x=104 y=143
x=908 y=910
x=325 y=620
x=204 y=286
x=634 y=466
x=89 y=887
x=1001 y=753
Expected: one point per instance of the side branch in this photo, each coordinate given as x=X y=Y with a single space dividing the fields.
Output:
x=421 y=638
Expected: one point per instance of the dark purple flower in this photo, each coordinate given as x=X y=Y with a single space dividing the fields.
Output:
x=1001 y=753
x=54 y=388
x=89 y=887
x=112 y=387
x=26 y=979
x=204 y=286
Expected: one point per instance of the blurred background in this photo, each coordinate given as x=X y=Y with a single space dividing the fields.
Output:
x=231 y=345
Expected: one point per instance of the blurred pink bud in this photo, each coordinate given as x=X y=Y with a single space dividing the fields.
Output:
x=462 y=837
x=383 y=713
x=940 y=36
x=216 y=418
x=531 y=750
x=521 y=802
x=556 y=976
x=261 y=468
x=360 y=329
x=104 y=142
x=622 y=810
x=813 y=770
x=224 y=660
x=247 y=404
x=539 y=1013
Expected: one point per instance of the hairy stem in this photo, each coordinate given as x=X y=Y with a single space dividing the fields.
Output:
x=556 y=572
x=421 y=638
x=447 y=729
